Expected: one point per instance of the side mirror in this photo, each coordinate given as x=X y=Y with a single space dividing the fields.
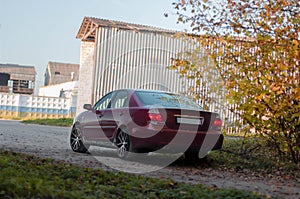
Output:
x=87 y=106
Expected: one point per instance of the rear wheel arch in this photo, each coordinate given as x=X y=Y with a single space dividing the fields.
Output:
x=120 y=128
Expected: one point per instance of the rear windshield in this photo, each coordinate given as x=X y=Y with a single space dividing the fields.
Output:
x=167 y=100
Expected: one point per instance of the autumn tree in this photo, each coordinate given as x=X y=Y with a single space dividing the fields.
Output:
x=255 y=48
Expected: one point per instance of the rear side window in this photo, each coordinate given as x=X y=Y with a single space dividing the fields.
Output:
x=167 y=100
x=120 y=100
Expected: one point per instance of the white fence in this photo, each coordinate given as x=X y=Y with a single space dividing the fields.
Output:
x=17 y=105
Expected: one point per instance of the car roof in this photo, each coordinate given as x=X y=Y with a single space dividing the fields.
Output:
x=144 y=90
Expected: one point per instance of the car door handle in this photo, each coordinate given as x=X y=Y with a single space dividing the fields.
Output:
x=100 y=115
x=121 y=113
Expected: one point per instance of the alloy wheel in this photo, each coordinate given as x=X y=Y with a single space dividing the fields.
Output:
x=76 y=140
x=123 y=144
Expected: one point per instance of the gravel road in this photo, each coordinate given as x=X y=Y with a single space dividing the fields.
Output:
x=53 y=142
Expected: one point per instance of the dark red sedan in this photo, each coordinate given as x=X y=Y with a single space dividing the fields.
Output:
x=142 y=121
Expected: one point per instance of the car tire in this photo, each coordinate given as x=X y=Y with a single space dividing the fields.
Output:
x=193 y=157
x=123 y=144
x=76 y=141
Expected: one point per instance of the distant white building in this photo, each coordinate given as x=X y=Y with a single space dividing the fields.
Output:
x=61 y=80
x=67 y=90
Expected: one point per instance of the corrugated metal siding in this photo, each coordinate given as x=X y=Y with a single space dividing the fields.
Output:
x=128 y=59
x=139 y=60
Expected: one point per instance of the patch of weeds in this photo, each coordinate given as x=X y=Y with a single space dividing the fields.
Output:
x=251 y=154
x=10 y=117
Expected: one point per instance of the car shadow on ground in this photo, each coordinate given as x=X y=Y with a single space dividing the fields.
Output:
x=106 y=156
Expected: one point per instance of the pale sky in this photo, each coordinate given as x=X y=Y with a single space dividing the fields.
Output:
x=34 y=32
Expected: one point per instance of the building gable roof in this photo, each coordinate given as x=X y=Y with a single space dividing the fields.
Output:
x=15 y=68
x=89 y=25
x=62 y=72
x=63 y=68
x=19 y=71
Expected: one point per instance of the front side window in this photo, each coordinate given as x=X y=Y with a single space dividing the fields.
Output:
x=104 y=102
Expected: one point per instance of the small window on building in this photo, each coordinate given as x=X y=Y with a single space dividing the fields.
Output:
x=56 y=73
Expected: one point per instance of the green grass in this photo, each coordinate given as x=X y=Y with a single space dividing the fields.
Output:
x=52 y=122
x=25 y=176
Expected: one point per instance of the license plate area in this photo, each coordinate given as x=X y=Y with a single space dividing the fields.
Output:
x=192 y=121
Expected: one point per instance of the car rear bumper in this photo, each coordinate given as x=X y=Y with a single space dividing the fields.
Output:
x=149 y=139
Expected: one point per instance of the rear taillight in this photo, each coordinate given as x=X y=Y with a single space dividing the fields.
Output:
x=154 y=117
x=217 y=124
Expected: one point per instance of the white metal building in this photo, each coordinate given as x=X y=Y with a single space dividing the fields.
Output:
x=118 y=55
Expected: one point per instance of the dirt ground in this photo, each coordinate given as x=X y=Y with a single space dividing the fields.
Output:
x=52 y=142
